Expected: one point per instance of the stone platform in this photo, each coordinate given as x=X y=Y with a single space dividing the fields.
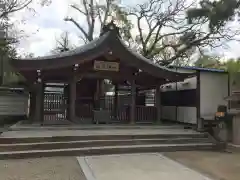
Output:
x=93 y=130
x=42 y=141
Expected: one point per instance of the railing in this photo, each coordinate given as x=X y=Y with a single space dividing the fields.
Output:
x=122 y=114
x=146 y=113
x=84 y=111
x=85 y=107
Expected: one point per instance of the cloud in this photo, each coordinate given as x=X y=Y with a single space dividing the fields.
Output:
x=43 y=25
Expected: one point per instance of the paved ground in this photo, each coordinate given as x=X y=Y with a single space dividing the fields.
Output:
x=220 y=166
x=152 y=166
x=60 y=168
x=44 y=133
x=214 y=165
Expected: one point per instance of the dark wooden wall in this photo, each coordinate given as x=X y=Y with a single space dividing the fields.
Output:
x=183 y=98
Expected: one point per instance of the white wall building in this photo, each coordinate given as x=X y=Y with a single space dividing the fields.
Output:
x=196 y=97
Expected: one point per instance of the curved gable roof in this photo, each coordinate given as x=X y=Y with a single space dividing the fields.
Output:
x=109 y=41
x=88 y=51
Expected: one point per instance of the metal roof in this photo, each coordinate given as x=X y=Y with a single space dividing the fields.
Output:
x=200 y=68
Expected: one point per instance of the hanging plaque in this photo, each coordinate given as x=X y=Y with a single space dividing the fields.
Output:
x=106 y=66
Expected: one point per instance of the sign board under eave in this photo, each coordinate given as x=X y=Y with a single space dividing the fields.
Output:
x=106 y=66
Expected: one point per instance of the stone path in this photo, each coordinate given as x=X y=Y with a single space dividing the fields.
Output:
x=136 y=166
x=60 y=168
x=218 y=165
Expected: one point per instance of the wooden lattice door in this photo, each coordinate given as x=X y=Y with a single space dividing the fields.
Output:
x=55 y=106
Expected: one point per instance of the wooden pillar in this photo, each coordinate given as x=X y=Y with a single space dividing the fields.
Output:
x=200 y=123
x=66 y=97
x=42 y=103
x=137 y=96
x=133 y=102
x=115 y=101
x=39 y=102
x=97 y=95
x=158 y=104
x=72 y=98
x=32 y=106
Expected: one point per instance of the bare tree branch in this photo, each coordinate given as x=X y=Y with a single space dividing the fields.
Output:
x=11 y=6
x=78 y=9
x=92 y=19
x=93 y=11
x=168 y=36
x=79 y=27
x=85 y=4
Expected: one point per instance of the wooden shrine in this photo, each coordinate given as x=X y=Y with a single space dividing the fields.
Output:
x=81 y=72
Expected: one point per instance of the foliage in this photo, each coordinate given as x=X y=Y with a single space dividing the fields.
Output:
x=157 y=28
x=218 y=12
x=232 y=65
x=208 y=61
x=164 y=35
x=7 y=51
x=7 y=48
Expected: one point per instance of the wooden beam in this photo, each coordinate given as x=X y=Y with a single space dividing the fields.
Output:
x=107 y=75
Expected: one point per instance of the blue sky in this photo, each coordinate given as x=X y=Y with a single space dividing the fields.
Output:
x=43 y=27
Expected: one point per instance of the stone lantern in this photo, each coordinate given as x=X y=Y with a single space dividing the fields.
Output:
x=235 y=120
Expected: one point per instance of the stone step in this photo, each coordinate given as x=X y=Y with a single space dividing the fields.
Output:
x=97 y=143
x=13 y=140
x=92 y=127
x=106 y=150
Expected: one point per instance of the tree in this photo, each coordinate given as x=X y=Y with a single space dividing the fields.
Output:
x=96 y=14
x=232 y=65
x=164 y=35
x=218 y=12
x=63 y=43
x=208 y=61
x=161 y=32
x=7 y=48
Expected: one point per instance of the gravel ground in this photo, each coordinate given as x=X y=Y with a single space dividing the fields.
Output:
x=218 y=165
x=60 y=168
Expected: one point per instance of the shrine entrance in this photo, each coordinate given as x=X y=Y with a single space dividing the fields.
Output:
x=82 y=72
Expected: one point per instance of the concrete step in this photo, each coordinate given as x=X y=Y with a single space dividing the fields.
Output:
x=18 y=127
x=97 y=143
x=106 y=150
x=13 y=140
